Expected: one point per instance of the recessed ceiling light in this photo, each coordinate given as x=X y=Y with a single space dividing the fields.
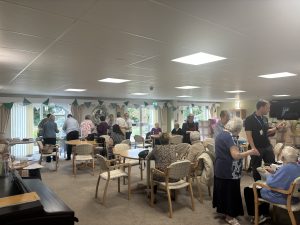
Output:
x=232 y=98
x=198 y=58
x=139 y=93
x=75 y=90
x=113 y=80
x=235 y=91
x=187 y=87
x=281 y=95
x=184 y=96
x=278 y=75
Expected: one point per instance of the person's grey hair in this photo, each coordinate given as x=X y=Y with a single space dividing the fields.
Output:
x=223 y=113
x=289 y=154
x=234 y=125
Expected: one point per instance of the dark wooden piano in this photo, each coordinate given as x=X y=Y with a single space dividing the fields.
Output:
x=48 y=210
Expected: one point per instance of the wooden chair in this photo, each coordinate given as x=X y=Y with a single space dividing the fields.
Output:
x=293 y=191
x=203 y=173
x=139 y=142
x=108 y=172
x=277 y=151
x=83 y=153
x=176 y=139
x=127 y=141
x=179 y=170
x=48 y=151
x=121 y=147
x=182 y=150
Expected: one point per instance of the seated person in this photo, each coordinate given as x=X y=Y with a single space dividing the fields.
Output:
x=117 y=135
x=280 y=179
x=196 y=148
x=163 y=155
x=177 y=130
x=156 y=131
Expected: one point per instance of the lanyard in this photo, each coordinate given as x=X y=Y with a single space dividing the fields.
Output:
x=259 y=121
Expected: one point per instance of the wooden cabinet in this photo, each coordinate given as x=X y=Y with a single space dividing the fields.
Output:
x=241 y=113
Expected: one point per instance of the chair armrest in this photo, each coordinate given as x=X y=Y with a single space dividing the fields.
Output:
x=264 y=185
x=120 y=165
x=158 y=171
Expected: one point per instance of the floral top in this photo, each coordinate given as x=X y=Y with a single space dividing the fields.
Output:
x=86 y=127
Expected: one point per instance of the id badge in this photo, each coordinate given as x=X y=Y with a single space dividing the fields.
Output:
x=261 y=132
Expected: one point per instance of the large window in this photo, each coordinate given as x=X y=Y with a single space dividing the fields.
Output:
x=142 y=119
x=201 y=113
x=41 y=111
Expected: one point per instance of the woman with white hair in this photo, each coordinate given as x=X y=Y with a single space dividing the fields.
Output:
x=279 y=179
x=228 y=168
x=283 y=177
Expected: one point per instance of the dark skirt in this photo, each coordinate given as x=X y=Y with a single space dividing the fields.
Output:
x=227 y=197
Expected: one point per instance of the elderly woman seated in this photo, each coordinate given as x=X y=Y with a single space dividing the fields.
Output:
x=163 y=155
x=279 y=179
x=196 y=148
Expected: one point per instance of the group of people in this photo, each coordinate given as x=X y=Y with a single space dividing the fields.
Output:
x=119 y=129
x=228 y=164
x=229 y=157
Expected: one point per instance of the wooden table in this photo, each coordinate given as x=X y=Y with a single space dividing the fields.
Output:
x=134 y=154
x=79 y=142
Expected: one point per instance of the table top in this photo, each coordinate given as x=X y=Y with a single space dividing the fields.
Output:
x=155 y=136
x=78 y=142
x=20 y=142
x=131 y=153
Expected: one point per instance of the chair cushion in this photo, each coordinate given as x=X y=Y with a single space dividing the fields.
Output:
x=83 y=157
x=133 y=162
x=114 y=174
x=295 y=207
x=176 y=185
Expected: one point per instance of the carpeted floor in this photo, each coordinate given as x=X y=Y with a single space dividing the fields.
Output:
x=78 y=193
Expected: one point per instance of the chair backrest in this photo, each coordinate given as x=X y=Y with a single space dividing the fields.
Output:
x=84 y=149
x=179 y=169
x=277 y=150
x=208 y=141
x=127 y=141
x=176 y=139
x=182 y=150
x=107 y=137
x=120 y=147
x=296 y=188
x=138 y=139
x=102 y=163
x=40 y=145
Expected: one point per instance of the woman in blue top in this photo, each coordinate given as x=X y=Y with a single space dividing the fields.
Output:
x=228 y=168
x=279 y=179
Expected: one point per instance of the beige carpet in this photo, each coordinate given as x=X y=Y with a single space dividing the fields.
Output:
x=78 y=193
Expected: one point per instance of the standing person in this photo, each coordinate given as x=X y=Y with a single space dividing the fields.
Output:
x=121 y=122
x=110 y=122
x=189 y=126
x=41 y=125
x=49 y=133
x=128 y=126
x=87 y=126
x=224 y=118
x=228 y=169
x=257 y=131
x=71 y=128
x=177 y=130
x=102 y=127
